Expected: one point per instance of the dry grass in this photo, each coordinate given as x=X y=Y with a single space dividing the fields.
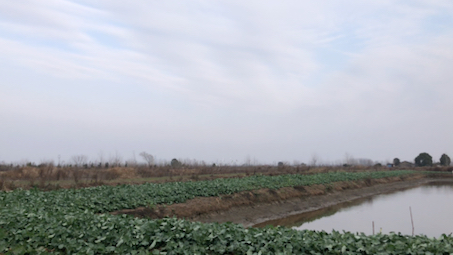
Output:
x=49 y=177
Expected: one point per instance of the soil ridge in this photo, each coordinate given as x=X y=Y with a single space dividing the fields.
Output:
x=253 y=207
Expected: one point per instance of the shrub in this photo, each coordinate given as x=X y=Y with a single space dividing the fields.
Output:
x=175 y=163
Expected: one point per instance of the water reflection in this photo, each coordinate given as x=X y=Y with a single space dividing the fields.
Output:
x=432 y=208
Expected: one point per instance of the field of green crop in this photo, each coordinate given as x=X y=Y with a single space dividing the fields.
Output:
x=76 y=222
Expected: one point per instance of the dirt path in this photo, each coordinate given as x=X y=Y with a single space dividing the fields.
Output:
x=253 y=207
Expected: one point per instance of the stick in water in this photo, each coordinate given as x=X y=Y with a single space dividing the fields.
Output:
x=373 y=227
x=412 y=220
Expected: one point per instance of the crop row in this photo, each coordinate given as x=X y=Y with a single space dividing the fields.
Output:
x=88 y=233
x=111 y=198
x=68 y=222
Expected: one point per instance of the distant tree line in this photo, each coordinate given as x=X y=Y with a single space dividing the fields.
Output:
x=424 y=159
x=82 y=161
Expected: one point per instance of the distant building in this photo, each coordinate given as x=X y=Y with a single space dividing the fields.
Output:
x=406 y=164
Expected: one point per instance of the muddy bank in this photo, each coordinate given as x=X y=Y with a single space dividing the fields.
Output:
x=253 y=207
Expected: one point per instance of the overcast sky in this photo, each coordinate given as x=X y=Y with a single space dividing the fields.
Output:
x=221 y=81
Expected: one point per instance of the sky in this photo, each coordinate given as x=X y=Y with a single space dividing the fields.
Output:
x=226 y=81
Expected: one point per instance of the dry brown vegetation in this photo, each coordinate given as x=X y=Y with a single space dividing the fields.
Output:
x=49 y=176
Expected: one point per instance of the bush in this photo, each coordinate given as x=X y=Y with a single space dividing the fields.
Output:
x=175 y=163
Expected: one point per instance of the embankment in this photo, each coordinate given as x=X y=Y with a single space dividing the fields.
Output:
x=253 y=207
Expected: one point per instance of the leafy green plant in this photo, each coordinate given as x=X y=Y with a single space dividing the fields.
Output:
x=151 y=206
x=75 y=221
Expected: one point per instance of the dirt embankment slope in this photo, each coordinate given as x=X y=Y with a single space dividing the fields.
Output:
x=253 y=207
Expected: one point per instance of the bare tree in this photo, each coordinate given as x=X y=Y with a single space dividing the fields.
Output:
x=364 y=162
x=116 y=159
x=148 y=158
x=23 y=162
x=101 y=157
x=45 y=169
x=248 y=160
x=79 y=160
x=46 y=162
x=349 y=159
x=187 y=162
x=132 y=161
x=314 y=159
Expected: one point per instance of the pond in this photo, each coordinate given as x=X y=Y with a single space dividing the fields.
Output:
x=431 y=206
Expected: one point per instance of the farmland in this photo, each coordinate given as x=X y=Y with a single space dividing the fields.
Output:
x=77 y=221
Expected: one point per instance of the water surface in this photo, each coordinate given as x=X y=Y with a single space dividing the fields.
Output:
x=432 y=211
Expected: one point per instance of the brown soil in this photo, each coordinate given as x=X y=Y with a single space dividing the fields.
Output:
x=252 y=207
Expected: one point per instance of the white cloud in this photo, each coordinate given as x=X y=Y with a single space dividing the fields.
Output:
x=250 y=76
